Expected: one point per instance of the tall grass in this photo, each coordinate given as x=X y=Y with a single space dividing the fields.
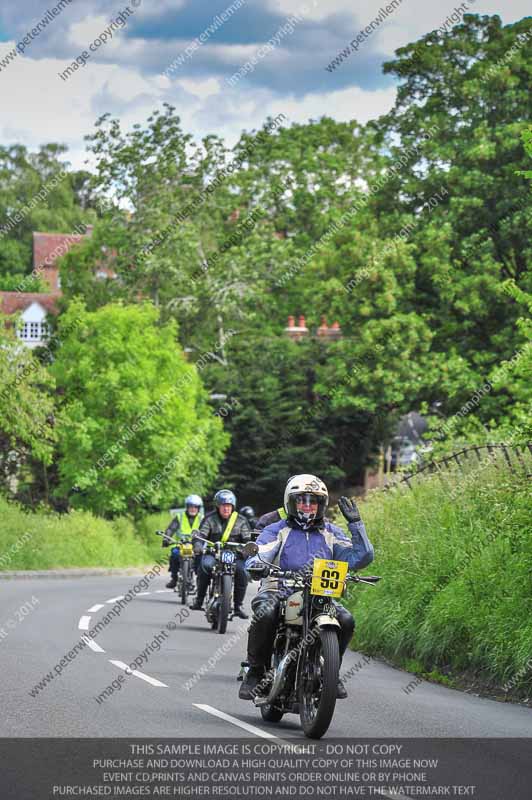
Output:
x=78 y=539
x=456 y=561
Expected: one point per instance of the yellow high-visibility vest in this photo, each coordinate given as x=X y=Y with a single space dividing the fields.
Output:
x=230 y=526
x=281 y=512
x=186 y=527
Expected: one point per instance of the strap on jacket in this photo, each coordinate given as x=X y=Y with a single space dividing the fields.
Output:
x=230 y=526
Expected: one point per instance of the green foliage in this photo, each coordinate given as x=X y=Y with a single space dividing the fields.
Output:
x=456 y=561
x=78 y=539
x=133 y=422
x=37 y=193
x=280 y=420
x=26 y=406
x=12 y=283
x=411 y=231
x=147 y=525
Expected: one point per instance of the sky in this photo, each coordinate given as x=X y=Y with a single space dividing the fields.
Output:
x=145 y=62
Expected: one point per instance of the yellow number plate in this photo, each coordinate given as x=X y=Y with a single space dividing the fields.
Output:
x=328 y=577
x=186 y=549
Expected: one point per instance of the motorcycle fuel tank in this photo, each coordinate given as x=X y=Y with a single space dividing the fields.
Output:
x=294 y=607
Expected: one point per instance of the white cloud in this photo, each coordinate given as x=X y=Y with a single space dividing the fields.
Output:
x=201 y=89
x=124 y=77
x=39 y=107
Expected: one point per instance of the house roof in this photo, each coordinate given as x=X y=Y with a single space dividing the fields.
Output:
x=48 y=247
x=12 y=302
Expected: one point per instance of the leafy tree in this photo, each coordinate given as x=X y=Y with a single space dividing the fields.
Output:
x=133 y=423
x=40 y=189
x=26 y=416
x=477 y=237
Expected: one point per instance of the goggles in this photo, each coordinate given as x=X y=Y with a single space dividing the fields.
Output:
x=307 y=499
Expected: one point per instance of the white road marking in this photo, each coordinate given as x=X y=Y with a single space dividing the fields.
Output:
x=137 y=674
x=228 y=718
x=163 y=591
x=141 y=594
x=115 y=599
x=93 y=645
x=83 y=624
x=95 y=608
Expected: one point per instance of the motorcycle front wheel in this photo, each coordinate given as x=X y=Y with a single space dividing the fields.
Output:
x=318 y=683
x=226 y=585
x=185 y=567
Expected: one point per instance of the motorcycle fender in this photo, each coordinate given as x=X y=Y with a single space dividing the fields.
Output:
x=324 y=621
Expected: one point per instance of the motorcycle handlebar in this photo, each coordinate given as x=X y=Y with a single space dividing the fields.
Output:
x=218 y=544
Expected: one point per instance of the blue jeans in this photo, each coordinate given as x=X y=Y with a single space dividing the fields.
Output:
x=205 y=574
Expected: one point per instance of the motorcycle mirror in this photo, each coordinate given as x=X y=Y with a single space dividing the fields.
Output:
x=250 y=549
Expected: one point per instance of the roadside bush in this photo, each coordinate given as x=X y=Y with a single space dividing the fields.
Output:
x=46 y=540
x=456 y=561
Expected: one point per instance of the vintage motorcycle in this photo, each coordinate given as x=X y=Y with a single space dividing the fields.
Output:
x=220 y=591
x=306 y=658
x=185 y=577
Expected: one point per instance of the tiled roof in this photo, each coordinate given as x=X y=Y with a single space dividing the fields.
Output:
x=12 y=302
x=48 y=247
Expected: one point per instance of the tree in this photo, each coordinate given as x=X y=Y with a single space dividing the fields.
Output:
x=460 y=112
x=134 y=427
x=26 y=416
x=37 y=193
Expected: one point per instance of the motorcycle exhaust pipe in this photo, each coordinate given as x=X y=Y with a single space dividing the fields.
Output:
x=278 y=682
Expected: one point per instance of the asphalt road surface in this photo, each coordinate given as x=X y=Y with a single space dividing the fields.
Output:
x=41 y=620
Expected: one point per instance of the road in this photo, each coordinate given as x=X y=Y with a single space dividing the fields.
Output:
x=158 y=703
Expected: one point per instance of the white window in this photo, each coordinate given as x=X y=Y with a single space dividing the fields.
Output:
x=33 y=331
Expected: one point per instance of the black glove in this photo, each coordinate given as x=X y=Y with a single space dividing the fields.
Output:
x=349 y=509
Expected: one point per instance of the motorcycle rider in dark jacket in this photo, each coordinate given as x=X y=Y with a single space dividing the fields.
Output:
x=214 y=528
x=249 y=513
x=270 y=518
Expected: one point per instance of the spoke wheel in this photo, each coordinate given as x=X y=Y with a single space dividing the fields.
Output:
x=318 y=682
x=225 y=603
x=184 y=581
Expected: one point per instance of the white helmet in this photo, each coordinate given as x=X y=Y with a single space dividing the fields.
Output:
x=305 y=485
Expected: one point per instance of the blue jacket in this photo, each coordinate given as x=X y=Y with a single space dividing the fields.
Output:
x=291 y=548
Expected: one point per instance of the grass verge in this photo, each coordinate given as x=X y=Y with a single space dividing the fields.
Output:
x=456 y=594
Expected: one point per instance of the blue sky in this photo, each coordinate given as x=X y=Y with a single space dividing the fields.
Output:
x=125 y=76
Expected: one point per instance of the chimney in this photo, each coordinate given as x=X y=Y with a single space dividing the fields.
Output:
x=323 y=330
x=335 y=332
x=296 y=332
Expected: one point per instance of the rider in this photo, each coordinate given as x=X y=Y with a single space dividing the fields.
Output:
x=183 y=523
x=249 y=513
x=221 y=525
x=270 y=518
x=291 y=545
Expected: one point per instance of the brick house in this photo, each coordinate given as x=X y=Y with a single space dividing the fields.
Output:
x=35 y=308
